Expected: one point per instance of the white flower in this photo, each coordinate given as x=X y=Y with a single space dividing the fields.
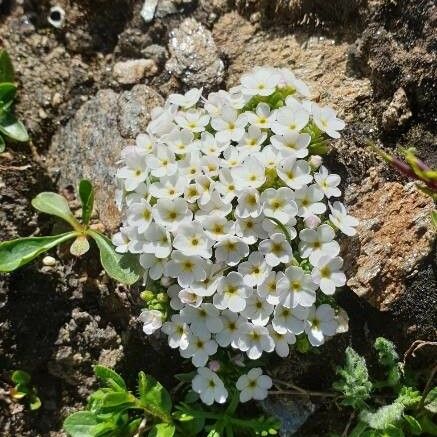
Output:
x=255 y=270
x=189 y=297
x=122 y=239
x=289 y=319
x=190 y=166
x=230 y=332
x=177 y=331
x=268 y=157
x=257 y=310
x=209 y=387
x=297 y=288
x=193 y=120
x=279 y=204
x=254 y=385
x=327 y=273
x=252 y=140
x=210 y=165
x=272 y=227
x=282 y=341
x=225 y=186
x=288 y=79
x=162 y=162
x=180 y=141
x=200 y=348
x=175 y=302
x=139 y=215
x=205 y=318
x=191 y=239
x=157 y=241
x=276 y=250
x=254 y=340
x=208 y=286
x=152 y=321
x=326 y=120
x=341 y=220
x=144 y=142
x=229 y=126
x=294 y=173
x=187 y=100
x=260 y=81
x=273 y=287
x=308 y=200
x=187 y=269
x=155 y=266
x=171 y=213
x=262 y=117
x=209 y=144
x=291 y=144
x=249 y=204
x=290 y=119
x=327 y=182
x=169 y=187
x=317 y=242
x=232 y=293
x=217 y=227
x=250 y=229
x=214 y=206
x=251 y=174
x=135 y=171
x=320 y=323
x=233 y=156
x=231 y=250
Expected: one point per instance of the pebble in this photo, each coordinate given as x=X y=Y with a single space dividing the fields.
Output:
x=49 y=261
x=133 y=71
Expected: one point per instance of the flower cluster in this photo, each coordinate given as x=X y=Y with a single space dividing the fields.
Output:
x=227 y=204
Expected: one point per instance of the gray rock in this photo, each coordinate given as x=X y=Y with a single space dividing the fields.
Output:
x=89 y=145
x=148 y=10
x=194 y=57
x=134 y=70
x=398 y=111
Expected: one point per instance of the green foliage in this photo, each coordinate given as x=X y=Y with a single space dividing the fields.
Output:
x=114 y=411
x=10 y=127
x=387 y=408
x=354 y=381
x=18 y=252
x=24 y=390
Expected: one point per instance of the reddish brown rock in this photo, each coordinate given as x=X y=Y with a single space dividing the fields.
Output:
x=395 y=234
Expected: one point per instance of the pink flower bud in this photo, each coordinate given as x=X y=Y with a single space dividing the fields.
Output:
x=214 y=365
x=312 y=221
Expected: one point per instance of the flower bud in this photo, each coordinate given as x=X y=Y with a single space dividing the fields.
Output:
x=312 y=221
x=214 y=365
x=315 y=161
x=147 y=295
x=162 y=297
x=166 y=281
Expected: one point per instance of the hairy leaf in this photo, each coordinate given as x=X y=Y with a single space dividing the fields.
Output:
x=354 y=380
x=115 y=265
x=413 y=425
x=13 y=128
x=384 y=416
x=154 y=397
x=431 y=401
x=6 y=68
x=57 y=205
x=110 y=377
x=80 y=246
x=162 y=430
x=17 y=253
x=387 y=355
x=86 y=194
x=84 y=424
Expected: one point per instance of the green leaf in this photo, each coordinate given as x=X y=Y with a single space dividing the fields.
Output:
x=2 y=144
x=428 y=426
x=86 y=194
x=185 y=377
x=35 y=403
x=17 y=253
x=116 y=266
x=431 y=401
x=80 y=246
x=433 y=217
x=162 y=430
x=413 y=425
x=20 y=377
x=57 y=205
x=7 y=93
x=110 y=377
x=81 y=424
x=13 y=128
x=6 y=68
x=117 y=400
x=154 y=397
x=384 y=416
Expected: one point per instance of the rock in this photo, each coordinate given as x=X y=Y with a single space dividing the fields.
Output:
x=394 y=235
x=156 y=52
x=81 y=343
x=194 y=57
x=133 y=71
x=148 y=10
x=89 y=145
x=398 y=111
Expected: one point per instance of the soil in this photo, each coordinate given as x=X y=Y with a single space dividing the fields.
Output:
x=56 y=322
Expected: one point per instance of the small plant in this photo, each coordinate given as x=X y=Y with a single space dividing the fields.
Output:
x=416 y=169
x=115 y=411
x=10 y=127
x=18 y=252
x=24 y=390
x=390 y=407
